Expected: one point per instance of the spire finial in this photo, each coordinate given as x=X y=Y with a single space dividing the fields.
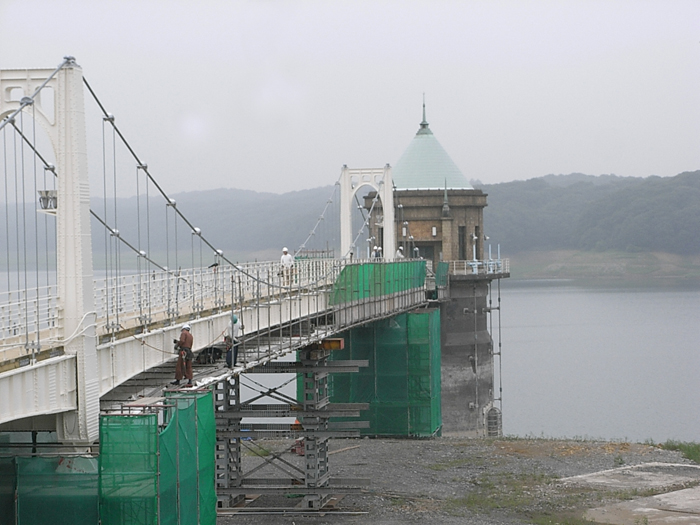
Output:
x=445 y=205
x=424 y=129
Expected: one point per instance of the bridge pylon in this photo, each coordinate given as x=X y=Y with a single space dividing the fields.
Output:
x=66 y=131
x=351 y=182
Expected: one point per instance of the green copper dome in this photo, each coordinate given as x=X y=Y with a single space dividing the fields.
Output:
x=425 y=165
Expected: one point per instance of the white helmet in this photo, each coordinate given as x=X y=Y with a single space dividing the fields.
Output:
x=186 y=327
x=285 y=249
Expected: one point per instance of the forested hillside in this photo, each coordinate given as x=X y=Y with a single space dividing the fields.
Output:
x=563 y=212
x=580 y=212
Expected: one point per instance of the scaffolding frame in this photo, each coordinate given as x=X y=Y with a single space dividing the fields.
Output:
x=312 y=425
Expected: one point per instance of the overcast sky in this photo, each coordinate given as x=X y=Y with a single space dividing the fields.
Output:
x=277 y=96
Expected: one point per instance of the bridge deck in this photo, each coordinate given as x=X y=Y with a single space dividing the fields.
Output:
x=323 y=297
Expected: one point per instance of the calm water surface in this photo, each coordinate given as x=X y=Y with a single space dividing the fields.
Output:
x=601 y=363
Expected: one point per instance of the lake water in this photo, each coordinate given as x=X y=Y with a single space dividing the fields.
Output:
x=600 y=363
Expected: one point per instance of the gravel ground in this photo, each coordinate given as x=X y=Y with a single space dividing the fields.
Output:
x=458 y=480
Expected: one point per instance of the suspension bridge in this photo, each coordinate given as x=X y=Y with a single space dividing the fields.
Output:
x=75 y=335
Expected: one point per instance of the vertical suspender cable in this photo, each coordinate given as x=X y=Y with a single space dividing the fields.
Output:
x=17 y=252
x=138 y=257
x=201 y=278
x=108 y=237
x=167 y=258
x=36 y=232
x=177 y=271
x=46 y=243
x=7 y=208
x=116 y=227
x=148 y=244
x=24 y=238
x=193 y=233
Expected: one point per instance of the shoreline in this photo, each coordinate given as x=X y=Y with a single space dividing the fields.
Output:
x=633 y=268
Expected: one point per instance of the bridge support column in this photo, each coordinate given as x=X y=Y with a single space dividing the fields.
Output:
x=468 y=380
x=315 y=389
x=66 y=131
x=229 y=471
x=74 y=257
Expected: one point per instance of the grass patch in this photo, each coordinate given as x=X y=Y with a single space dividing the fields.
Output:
x=503 y=491
x=690 y=450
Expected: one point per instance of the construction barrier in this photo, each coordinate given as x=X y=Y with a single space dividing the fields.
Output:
x=402 y=383
x=370 y=280
x=154 y=467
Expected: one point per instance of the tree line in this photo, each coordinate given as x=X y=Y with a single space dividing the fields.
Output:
x=583 y=212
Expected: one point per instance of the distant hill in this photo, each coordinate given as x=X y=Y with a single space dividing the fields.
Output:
x=573 y=212
x=581 y=212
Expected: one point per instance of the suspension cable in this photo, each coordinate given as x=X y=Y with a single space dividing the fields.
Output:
x=321 y=217
x=30 y=100
x=193 y=228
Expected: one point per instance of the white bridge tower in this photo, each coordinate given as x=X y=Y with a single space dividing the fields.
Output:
x=351 y=182
x=66 y=130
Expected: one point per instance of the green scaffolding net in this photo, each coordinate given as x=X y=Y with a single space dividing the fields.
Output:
x=196 y=444
x=129 y=469
x=442 y=271
x=160 y=474
x=367 y=280
x=7 y=491
x=402 y=383
x=61 y=490
x=154 y=468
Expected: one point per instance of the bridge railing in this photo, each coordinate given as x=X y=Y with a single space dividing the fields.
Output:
x=476 y=267
x=155 y=297
x=26 y=318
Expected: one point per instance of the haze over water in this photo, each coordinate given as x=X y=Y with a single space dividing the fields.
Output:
x=600 y=363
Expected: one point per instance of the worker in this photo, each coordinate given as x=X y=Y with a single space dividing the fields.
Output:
x=232 y=340
x=399 y=253
x=183 y=347
x=287 y=267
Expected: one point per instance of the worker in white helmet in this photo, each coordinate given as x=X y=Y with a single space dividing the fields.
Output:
x=287 y=267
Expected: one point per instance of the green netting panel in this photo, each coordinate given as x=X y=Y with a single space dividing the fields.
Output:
x=167 y=466
x=56 y=490
x=7 y=491
x=402 y=383
x=128 y=469
x=366 y=280
x=441 y=274
x=187 y=460
x=196 y=443
x=206 y=432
